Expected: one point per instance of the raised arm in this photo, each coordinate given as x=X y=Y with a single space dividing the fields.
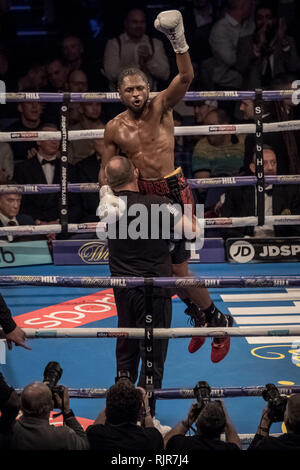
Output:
x=171 y=24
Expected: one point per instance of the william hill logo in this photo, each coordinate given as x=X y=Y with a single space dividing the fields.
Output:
x=93 y=252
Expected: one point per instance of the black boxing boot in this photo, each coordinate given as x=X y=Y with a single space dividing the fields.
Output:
x=219 y=346
x=197 y=319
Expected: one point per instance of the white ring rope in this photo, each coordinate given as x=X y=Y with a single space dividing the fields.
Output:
x=101 y=226
x=161 y=333
x=178 y=131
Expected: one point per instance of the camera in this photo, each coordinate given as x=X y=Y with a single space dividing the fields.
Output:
x=202 y=393
x=123 y=375
x=276 y=403
x=52 y=374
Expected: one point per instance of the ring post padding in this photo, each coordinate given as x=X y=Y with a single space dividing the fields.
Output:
x=64 y=212
x=259 y=160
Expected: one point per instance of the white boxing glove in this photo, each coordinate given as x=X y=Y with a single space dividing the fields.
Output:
x=171 y=24
x=111 y=207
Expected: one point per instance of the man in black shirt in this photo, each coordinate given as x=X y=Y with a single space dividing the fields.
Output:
x=9 y=401
x=116 y=429
x=142 y=254
x=288 y=441
x=211 y=422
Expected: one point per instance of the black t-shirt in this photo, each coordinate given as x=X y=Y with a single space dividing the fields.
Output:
x=124 y=437
x=182 y=444
x=6 y=321
x=284 y=442
x=145 y=257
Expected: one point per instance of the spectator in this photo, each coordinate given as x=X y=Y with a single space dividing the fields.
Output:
x=280 y=199
x=77 y=83
x=201 y=110
x=7 y=70
x=87 y=171
x=199 y=16
x=269 y=52
x=134 y=48
x=57 y=74
x=44 y=168
x=286 y=110
x=211 y=422
x=35 y=78
x=75 y=57
x=288 y=441
x=7 y=162
x=33 y=431
x=10 y=215
x=285 y=143
x=29 y=120
x=72 y=52
x=223 y=68
x=116 y=429
x=221 y=154
x=9 y=400
x=90 y=118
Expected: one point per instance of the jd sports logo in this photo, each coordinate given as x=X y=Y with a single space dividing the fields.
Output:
x=241 y=251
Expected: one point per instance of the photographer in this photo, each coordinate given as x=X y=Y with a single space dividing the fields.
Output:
x=211 y=421
x=116 y=429
x=33 y=431
x=278 y=409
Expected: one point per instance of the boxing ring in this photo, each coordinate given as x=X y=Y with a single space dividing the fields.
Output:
x=54 y=304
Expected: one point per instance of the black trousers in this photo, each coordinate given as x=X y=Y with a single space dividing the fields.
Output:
x=131 y=309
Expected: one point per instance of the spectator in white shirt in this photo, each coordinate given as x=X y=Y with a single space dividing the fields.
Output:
x=134 y=48
x=224 y=38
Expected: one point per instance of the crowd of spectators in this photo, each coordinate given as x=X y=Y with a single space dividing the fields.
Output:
x=234 y=45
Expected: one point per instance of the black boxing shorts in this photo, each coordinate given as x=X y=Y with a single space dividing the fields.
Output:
x=175 y=187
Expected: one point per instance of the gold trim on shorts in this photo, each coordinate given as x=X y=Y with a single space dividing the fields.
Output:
x=175 y=172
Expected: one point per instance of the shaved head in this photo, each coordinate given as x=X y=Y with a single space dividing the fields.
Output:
x=119 y=171
x=36 y=399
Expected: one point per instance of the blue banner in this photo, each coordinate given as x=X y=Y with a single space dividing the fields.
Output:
x=76 y=252
x=24 y=253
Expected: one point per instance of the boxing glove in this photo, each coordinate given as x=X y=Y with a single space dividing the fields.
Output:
x=171 y=24
x=111 y=207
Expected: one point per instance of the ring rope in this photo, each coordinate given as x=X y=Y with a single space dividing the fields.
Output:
x=219 y=181
x=87 y=134
x=185 y=393
x=268 y=95
x=101 y=226
x=161 y=333
x=166 y=282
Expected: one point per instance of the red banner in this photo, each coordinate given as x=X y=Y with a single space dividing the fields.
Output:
x=71 y=314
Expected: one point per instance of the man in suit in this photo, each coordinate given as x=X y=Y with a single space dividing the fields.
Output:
x=10 y=204
x=279 y=200
x=44 y=168
x=29 y=120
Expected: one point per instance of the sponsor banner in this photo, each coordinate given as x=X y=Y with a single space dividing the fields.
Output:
x=24 y=253
x=260 y=250
x=72 y=313
x=77 y=252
